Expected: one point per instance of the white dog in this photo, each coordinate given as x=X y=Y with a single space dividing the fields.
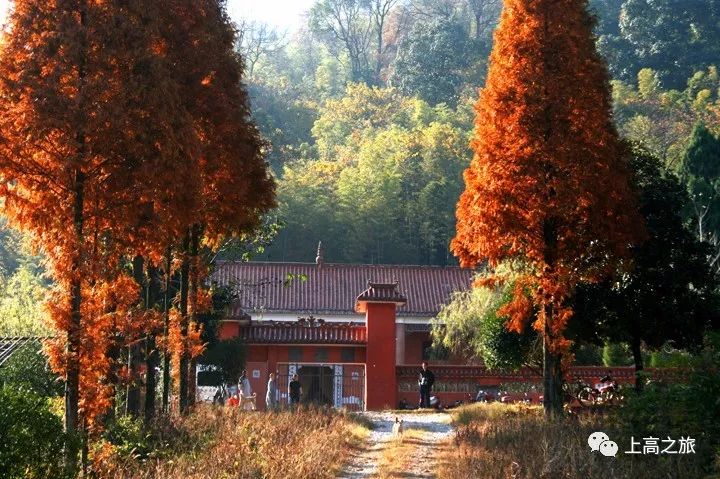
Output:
x=398 y=428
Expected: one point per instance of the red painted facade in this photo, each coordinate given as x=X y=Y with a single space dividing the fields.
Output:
x=381 y=389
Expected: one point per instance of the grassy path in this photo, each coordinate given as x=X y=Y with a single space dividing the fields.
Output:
x=415 y=457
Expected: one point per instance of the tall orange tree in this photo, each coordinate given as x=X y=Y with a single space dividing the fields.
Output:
x=235 y=188
x=89 y=113
x=548 y=184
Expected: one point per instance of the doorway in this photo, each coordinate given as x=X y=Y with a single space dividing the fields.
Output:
x=317 y=384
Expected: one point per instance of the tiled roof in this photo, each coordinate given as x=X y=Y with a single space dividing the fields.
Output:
x=379 y=293
x=294 y=333
x=334 y=288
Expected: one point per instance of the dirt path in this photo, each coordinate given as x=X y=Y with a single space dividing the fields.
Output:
x=433 y=429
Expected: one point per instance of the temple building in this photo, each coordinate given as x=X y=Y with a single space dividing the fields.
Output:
x=355 y=334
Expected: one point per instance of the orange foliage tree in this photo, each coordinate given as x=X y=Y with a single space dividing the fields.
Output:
x=234 y=188
x=111 y=118
x=87 y=116
x=548 y=184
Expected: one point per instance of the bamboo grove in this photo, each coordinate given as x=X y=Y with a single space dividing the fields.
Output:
x=126 y=148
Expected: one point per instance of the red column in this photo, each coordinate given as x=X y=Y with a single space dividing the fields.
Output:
x=380 y=379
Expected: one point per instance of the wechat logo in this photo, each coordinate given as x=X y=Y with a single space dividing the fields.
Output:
x=599 y=441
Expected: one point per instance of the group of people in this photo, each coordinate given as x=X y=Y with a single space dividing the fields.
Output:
x=245 y=398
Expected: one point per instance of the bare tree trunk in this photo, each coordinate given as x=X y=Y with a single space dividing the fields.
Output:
x=552 y=372
x=639 y=366
x=194 y=286
x=132 y=403
x=151 y=353
x=166 y=327
x=184 y=283
x=552 y=361
x=72 y=375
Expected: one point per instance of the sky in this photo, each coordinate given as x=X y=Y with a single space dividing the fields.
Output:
x=284 y=14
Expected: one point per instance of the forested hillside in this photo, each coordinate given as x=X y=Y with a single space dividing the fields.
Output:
x=368 y=109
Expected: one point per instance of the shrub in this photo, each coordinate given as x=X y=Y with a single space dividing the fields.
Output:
x=679 y=410
x=31 y=437
x=129 y=437
x=616 y=354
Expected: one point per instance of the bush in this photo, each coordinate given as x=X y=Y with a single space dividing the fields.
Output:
x=129 y=437
x=679 y=410
x=31 y=437
x=615 y=354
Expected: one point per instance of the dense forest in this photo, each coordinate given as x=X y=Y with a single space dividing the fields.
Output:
x=368 y=109
x=367 y=113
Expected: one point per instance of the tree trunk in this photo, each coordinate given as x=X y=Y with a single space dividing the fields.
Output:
x=552 y=373
x=184 y=284
x=72 y=375
x=151 y=353
x=194 y=250
x=132 y=403
x=166 y=319
x=552 y=361
x=639 y=366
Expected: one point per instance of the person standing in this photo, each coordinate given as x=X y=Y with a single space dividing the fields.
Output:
x=271 y=394
x=426 y=380
x=247 y=398
x=294 y=390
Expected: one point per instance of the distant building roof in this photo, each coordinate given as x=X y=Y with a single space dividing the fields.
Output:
x=309 y=288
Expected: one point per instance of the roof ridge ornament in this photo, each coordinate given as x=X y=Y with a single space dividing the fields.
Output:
x=319 y=258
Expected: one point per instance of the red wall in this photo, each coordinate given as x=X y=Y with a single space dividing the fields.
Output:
x=413 y=347
x=381 y=382
x=228 y=330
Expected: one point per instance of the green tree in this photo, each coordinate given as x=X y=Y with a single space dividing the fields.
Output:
x=307 y=202
x=701 y=171
x=360 y=112
x=670 y=294
x=228 y=357
x=469 y=325
x=616 y=354
x=31 y=437
x=674 y=38
x=21 y=304
x=431 y=61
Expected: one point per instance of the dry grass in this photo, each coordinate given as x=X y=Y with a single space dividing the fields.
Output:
x=395 y=459
x=225 y=442
x=514 y=441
